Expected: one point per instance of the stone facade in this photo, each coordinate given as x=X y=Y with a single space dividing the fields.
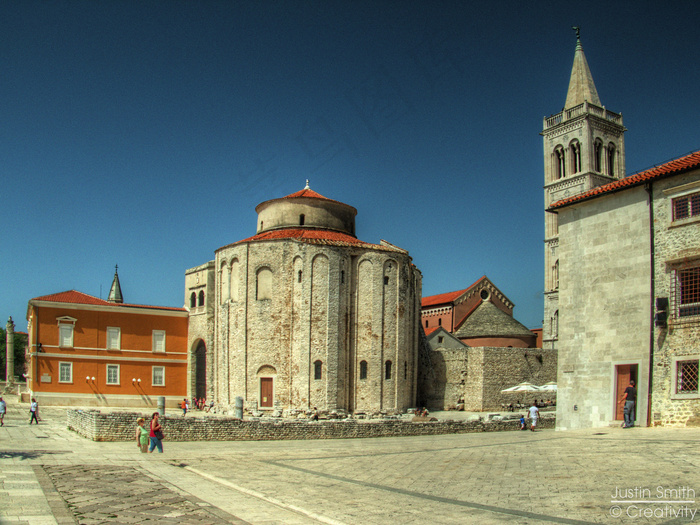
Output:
x=604 y=306
x=305 y=315
x=676 y=345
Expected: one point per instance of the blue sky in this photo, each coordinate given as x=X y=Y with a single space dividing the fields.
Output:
x=144 y=134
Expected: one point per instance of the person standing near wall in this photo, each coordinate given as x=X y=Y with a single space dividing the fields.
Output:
x=142 y=434
x=3 y=409
x=156 y=434
x=629 y=397
x=33 y=410
x=534 y=414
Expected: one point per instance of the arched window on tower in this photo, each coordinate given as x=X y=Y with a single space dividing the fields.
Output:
x=318 y=369
x=263 y=284
x=611 y=159
x=201 y=298
x=193 y=300
x=559 y=163
x=387 y=370
x=575 y=156
x=598 y=155
x=555 y=275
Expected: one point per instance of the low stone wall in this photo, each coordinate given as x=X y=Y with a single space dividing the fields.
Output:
x=121 y=426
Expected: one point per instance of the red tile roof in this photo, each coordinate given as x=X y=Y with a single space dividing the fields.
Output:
x=681 y=164
x=429 y=331
x=306 y=192
x=75 y=297
x=311 y=236
x=449 y=297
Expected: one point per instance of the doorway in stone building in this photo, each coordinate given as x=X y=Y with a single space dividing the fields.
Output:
x=623 y=375
x=200 y=367
x=266 y=392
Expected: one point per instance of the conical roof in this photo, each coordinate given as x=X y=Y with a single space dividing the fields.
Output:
x=581 y=86
x=115 y=293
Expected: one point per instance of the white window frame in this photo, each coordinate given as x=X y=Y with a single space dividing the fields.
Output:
x=159 y=335
x=112 y=367
x=674 y=378
x=114 y=338
x=162 y=375
x=65 y=365
x=65 y=341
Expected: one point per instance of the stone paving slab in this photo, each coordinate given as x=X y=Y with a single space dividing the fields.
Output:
x=49 y=474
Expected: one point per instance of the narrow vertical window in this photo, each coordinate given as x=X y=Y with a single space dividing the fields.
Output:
x=301 y=219
x=193 y=300
x=201 y=298
x=363 y=369
x=299 y=276
x=318 y=369
x=387 y=370
x=439 y=321
x=405 y=370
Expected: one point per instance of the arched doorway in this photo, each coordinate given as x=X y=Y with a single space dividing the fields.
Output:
x=200 y=367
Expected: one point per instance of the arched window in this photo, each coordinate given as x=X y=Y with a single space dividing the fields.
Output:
x=598 y=156
x=318 y=369
x=263 y=288
x=611 y=159
x=193 y=300
x=301 y=219
x=559 y=163
x=555 y=275
x=363 y=369
x=201 y=298
x=575 y=156
x=387 y=370
x=299 y=276
x=225 y=288
x=555 y=324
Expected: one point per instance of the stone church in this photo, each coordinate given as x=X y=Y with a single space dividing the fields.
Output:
x=304 y=314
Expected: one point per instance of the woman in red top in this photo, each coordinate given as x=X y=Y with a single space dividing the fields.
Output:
x=155 y=428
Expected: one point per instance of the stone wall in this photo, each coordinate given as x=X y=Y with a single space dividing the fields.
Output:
x=677 y=245
x=121 y=426
x=475 y=376
x=604 y=306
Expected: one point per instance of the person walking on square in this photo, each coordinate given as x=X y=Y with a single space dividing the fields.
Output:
x=142 y=434
x=183 y=405
x=33 y=409
x=156 y=434
x=3 y=409
x=534 y=414
x=629 y=397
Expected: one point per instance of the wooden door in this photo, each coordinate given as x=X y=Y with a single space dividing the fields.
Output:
x=266 y=392
x=623 y=375
x=622 y=380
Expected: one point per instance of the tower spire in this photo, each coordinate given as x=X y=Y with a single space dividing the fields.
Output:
x=581 y=86
x=115 y=293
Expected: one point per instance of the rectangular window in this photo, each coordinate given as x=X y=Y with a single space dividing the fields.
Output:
x=65 y=372
x=159 y=340
x=685 y=292
x=65 y=335
x=687 y=377
x=114 y=336
x=112 y=374
x=158 y=376
x=686 y=206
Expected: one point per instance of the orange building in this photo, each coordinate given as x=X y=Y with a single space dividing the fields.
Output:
x=90 y=352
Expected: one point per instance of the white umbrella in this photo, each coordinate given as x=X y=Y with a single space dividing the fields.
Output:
x=549 y=387
x=522 y=387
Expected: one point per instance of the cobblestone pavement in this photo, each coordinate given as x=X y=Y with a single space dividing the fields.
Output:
x=49 y=475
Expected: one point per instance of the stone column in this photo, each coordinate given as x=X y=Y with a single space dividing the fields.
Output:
x=10 y=343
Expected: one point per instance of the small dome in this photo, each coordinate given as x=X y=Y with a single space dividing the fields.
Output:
x=306 y=209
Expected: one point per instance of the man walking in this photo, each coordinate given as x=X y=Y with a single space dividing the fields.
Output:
x=3 y=409
x=33 y=409
x=629 y=397
x=534 y=414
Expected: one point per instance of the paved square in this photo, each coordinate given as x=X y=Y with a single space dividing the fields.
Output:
x=49 y=474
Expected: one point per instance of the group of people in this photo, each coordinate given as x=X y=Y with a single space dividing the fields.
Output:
x=512 y=407
x=198 y=403
x=152 y=435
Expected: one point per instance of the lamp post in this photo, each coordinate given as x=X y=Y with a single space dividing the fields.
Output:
x=10 y=356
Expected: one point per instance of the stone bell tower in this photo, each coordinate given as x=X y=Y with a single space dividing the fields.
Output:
x=583 y=148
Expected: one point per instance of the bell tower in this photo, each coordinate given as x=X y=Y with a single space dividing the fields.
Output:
x=583 y=148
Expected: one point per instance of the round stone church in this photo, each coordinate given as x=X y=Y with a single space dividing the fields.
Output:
x=304 y=314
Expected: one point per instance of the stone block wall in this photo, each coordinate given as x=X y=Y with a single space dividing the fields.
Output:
x=120 y=426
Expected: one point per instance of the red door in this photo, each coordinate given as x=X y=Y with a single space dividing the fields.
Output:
x=623 y=375
x=266 y=392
